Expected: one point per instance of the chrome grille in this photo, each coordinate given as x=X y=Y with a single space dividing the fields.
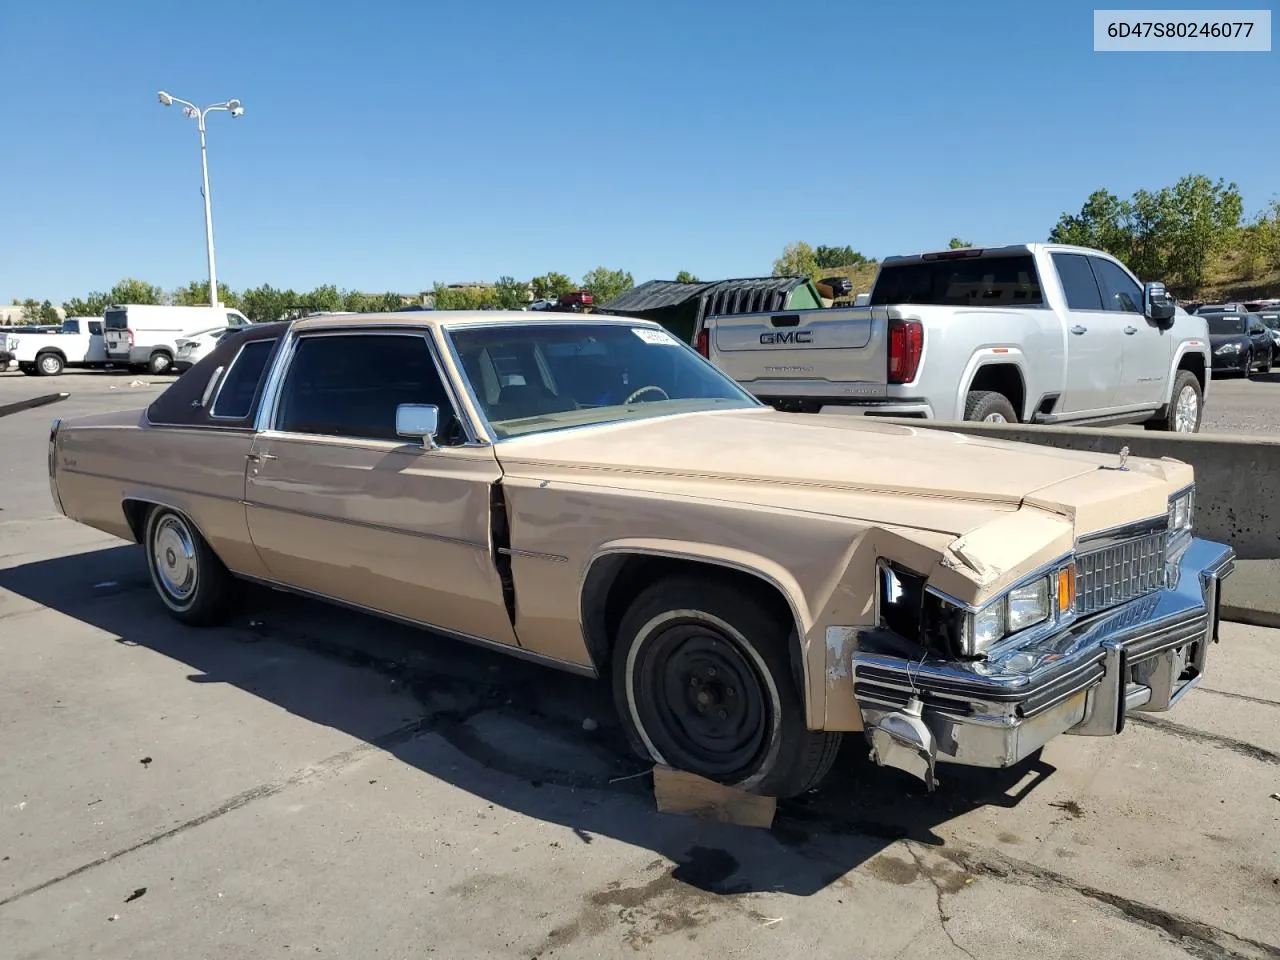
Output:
x=1120 y=572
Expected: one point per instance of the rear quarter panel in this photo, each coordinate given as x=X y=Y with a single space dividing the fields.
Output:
x=100 y=462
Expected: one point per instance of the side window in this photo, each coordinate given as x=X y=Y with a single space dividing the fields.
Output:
x=235 y=320
x=239 y=386
x=349 y=385
x=1078 y=282
x=1119 y=290
x=95 y=328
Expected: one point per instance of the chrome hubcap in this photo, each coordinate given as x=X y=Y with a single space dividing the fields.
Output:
x=173 y=554
x=1187 y=412
x=994 y=418
x=49 y=365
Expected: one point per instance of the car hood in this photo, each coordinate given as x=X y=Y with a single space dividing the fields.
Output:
x=1220 y=339
x=848 y=466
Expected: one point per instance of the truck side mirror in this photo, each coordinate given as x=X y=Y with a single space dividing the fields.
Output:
x=1157 y=304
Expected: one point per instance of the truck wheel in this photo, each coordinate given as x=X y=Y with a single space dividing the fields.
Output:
x=989 y=407
x=49 y=364
x=703 y=682
x=160 y=363
x=1265 y=366
x=192 y=582
x=1185 y=408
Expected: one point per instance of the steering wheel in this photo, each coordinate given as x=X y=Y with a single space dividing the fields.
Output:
x=643 y=390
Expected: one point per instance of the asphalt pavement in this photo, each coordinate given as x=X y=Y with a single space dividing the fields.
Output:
x=308 y=781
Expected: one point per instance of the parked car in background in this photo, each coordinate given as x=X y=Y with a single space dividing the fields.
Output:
x=1270 y=318
x=145 y=336
x=1033 y=333
x=1241 y=343
x=79 y=343
x=195 y=346
x=1207 y=308
x=593 y=495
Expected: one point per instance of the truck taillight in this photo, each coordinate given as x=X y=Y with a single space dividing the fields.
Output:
x=702 y=344
x=129 y=333
x=906 y=344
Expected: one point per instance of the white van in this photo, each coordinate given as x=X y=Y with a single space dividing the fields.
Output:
x=146 y=335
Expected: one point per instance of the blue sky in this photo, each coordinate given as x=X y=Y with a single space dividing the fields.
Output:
x=391 y=145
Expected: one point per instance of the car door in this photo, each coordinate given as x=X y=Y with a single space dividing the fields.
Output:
x=1093 y=346
x=1260 y=339
x=339 y=506
x=1145 y=345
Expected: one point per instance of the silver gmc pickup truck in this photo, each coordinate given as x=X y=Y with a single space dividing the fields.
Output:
x=1033 y=333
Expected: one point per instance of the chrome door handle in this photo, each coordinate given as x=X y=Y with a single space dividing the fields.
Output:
x=1131 y=330
x=259 y=457
x=1077 y=329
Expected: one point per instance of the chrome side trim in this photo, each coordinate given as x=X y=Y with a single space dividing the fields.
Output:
x=521 y=653
x=532 y=555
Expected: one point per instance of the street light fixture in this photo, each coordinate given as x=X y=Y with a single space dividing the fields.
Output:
x=193 y=112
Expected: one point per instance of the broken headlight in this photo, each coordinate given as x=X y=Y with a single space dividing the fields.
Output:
x=910 y=609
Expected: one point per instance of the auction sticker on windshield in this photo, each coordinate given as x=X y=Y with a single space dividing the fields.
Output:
x=655 y=336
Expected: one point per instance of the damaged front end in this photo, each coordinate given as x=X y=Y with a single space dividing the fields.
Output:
x=1122 y=622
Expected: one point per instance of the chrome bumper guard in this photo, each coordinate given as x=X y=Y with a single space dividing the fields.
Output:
x=1143 y=655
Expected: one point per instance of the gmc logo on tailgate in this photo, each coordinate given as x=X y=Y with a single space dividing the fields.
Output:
x=772 y=338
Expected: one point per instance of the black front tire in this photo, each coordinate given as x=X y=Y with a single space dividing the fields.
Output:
x=1266 y=367
x=1168 y=419
x=988 y=405
x=188 y=577
x=49 y=365
x=703 y=682
x=160 y=364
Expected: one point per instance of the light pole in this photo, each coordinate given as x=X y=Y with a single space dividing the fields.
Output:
x=193 y=112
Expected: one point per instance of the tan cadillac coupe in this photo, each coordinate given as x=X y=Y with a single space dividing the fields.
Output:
x=592 y=494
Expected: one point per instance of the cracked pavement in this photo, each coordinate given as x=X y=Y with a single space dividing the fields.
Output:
x=317 y=782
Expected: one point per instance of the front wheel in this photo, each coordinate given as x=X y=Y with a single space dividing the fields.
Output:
x=1186 y=406
x=703 y=683
x=1265 y=366
x=49 y=364
x=190 y=579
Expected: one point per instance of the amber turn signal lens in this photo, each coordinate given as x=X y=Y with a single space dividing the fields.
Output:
x=1066 y=588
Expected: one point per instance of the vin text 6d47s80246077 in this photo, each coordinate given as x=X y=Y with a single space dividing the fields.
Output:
x=592 y=494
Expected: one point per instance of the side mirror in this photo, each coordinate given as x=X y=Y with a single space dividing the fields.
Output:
x=418 y=421
x=1157 y=304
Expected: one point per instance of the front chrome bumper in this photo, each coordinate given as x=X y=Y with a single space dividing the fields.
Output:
x=1144 y=655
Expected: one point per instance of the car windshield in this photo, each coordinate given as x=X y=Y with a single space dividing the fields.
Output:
x=1270 y=320
x=534 y=377
x=1226 y=324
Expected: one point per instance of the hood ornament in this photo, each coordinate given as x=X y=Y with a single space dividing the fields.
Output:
x=1124 y=460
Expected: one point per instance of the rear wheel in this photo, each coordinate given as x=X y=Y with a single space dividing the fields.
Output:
x=49 y=364
x=989 y=407
x=160 y=363
x=191 y=581
x=703 y=682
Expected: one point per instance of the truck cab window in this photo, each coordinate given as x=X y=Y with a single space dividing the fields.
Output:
x=1078 y=282
x=1119 y=290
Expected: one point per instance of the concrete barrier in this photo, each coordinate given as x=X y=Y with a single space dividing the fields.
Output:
x=1236 y=502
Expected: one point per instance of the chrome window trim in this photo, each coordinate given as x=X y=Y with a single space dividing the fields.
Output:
x=270 y=407
x=211 y=404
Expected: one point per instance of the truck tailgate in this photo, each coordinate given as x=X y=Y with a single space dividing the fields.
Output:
x=821 y=352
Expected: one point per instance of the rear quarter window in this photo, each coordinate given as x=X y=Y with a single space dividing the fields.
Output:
x=240 y=384
x=1008 y=281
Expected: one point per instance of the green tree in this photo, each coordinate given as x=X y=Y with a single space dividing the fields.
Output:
x=797 y=260
x=130 y=290
x=957 y=244
x=266 y=304
x=829 y=258
x=1102 y=223
x=684 y=276
x=94 y=305
x=196 y=294
x=323 y=299
x=464 y=298
x=605 y=284
x=551 y=285
x=39 y=312
x=510 y=294
x=1200 y=218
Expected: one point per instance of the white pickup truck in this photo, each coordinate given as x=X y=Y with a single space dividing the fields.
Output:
x=79 y=344
x=1034 y=333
